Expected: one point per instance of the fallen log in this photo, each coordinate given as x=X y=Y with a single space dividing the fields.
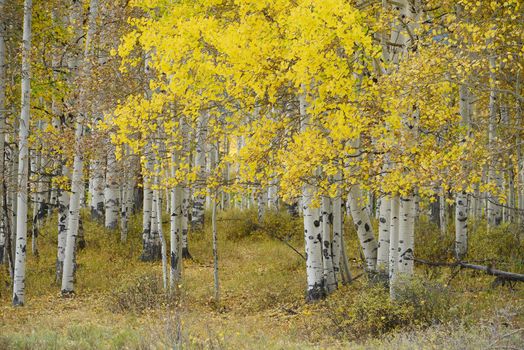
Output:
x=505 y=275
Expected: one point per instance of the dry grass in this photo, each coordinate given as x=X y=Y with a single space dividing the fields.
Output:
x=262 y=286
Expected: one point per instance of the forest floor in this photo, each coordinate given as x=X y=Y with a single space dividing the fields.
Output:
x=119 y=303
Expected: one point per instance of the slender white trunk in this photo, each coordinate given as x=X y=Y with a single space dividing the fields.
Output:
x=312 y=235
x=185 y=222
x=384 y=227
x=406 y=236
x=77 y=185
x=461 y=225
x=146 y=219
x=63 y=214
x=345 y=272
x=461 y=198
x=327 y=252
x=156 y=219
x=127 y=193
x=493 y=209
x=77 y=182
x=23 y=158
x=338 y=225
x=312 y=230
x=186 y=191
x=111 y=191
x=443 y=212
x=158 y=208
x=97 y=194
x=363 y=227
x=261 y=203
x=394 y=245
x=272 y=195
x=215 y=251
x=175 y=231
x=197 y=218
x=3 y=222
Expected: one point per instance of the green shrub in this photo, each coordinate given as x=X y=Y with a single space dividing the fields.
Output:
x=370 y=311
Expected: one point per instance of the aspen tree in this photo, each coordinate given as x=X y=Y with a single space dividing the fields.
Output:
x=77 y=182
x=23 y=159
x=3 y=229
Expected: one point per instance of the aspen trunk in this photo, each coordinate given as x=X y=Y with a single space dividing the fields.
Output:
x=312 y=231
x=111 y=191
x=493 y=209
x=363 y=227
x=384 y=227
x=461 y=225
x=63 y=215
x=175 y=231
x=394 y=245
x=158 y=209
x=23 y=158
x=314 y=266
x=461 y=198
x=406 y=236
x=146 y=220
x=97 y=191
x=197 y=218
x=185 y=222
x=215 y=251
x=338 y=225
x=327 y=248
x=77 y=182
x=77 y=185
x=261 y=203
x=443 y=212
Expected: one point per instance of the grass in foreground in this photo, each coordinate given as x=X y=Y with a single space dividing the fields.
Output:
x=120 y=303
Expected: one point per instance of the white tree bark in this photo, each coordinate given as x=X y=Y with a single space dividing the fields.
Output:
x=146 y=219
x=175 y=231
x=384 y=227
x=261 y=203
x=327 y=249
x=363 y=227
x=111 y=191
x=156 y=219
x=493 y=209
x=97 y=194
x=128 y=191
x=461 y=198
x=406 y=236
x=158 y=209
x=394 y=245
x=443 y=212
x=23 y=158
x=461 y=225
x=215 y=251
x=197 y=218
x=77 y=185
x=312 y=231
x=3 y=231
x=338 y=224
x=63 y=215
x=77 y=182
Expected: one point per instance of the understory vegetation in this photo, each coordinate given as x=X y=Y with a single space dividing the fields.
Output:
x=122 y=305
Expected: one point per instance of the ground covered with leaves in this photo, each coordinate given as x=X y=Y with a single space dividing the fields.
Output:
x=120 y=302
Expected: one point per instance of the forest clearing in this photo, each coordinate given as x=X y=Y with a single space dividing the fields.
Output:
x=261 y=174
